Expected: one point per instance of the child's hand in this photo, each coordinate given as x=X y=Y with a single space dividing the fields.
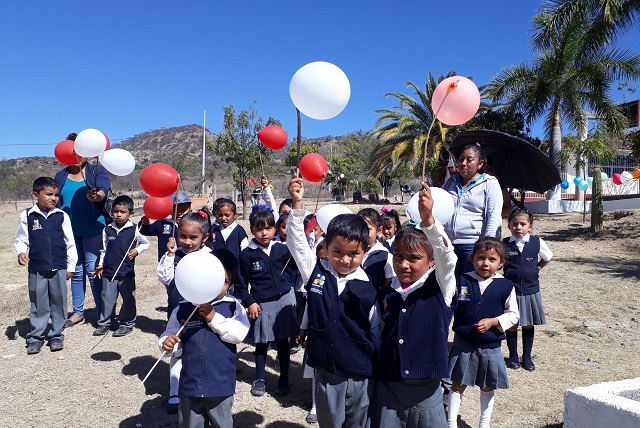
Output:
x=98 y=272
x=264 y=181
x=172 y=247
x=207 y=312
x=170 y=342
x=485 y=324
x=425 y=205
x=296 y=191
x=23 y=259
x=133 y=254
x=301 y=337
x=145 y=220
x=253 y=310
x=69 y=275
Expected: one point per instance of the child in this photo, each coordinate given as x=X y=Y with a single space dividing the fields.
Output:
x=341 y=318
x=116 y=268
x=416 y=313
x=271 y=300
x=524 y=252
x=390 y=226
x=208 y=345
x=281 y=228
x=487 y=307
x=45 y=244
x=377 y=261
x=228 y=234
x=193 y=232
x=163 y=229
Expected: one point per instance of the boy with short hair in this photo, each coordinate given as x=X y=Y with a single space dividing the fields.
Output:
x=164 y=229
x=342 y=318
x=45 y=243
x=116 y=268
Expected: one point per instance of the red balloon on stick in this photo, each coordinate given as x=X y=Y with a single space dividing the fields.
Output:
x=273 y=137
x=157 y=208
x=313 y=167
x=617 y=179
x=159 y=180
x=108 y=146
x=65 y=154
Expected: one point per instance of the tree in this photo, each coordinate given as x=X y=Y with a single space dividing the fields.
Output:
x=347 y=161
x=569 y=77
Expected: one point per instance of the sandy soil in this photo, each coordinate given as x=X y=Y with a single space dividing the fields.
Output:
x=591 y=299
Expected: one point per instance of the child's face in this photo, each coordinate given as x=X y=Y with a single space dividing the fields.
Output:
x=226 y=285
x=225 y=215
x=487 y=262
x=263 y=235
x=344 y=256
x=519 y=225
x=410 y=264
x=190 y=237
x=47 y=198
x=284 y=209
x=180 y=211
x=373 y=232
x=282 y=230
x=121 y=214
x=388 y=230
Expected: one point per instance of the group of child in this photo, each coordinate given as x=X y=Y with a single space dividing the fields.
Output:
x=368 y=309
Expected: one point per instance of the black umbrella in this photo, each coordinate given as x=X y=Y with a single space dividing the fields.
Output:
x=515 y=162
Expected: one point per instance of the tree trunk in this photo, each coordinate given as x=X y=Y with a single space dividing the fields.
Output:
x=554 y=154
x=596 y=201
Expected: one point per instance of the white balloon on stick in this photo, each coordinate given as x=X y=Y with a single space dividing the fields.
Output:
x=199 y=277
x=443 y=206
x=328 y=213
x=90 y=143
x=118 y=161
x=320 y=90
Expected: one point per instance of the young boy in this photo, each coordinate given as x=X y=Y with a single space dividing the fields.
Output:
x=164 y=228
x=115 y=267
x=45 y=243
x=377 y=261
x=342 y=319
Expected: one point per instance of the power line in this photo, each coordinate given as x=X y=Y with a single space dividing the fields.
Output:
x=47 y=144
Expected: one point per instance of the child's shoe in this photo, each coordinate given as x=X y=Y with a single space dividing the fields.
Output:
x=101 y=330
x=528 y=365
x=122 y=331
x=312 y=418
x=283 y=388
x=56 y=344
x=258 y=388
x=34 y=347
x=172 y=404
x=513 y=363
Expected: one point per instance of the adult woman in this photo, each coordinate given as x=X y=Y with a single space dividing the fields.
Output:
x=478 y=205
x=83 y=189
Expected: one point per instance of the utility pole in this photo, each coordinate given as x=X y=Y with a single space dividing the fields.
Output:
x=204 y=144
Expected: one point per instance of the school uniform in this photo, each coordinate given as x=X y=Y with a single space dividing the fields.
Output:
x=118 y=275
x=47 y=237
x=163 y=229
x=389 y=244
x=233 y=238
x=378 y=264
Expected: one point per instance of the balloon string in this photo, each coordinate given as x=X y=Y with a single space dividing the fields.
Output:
x=175 y=209
x=164 y=352
x=435 y=116
x=126 y=254
x=299 y=138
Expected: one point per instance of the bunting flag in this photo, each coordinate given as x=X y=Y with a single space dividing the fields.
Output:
x=252 y=182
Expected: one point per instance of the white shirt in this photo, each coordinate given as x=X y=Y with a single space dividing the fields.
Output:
x=166 y=267
x=226 y=231
x=511 y=314
x=143 y=242
x=22 y=237
x=267 y=195
x=388 y=268
x=545 y=252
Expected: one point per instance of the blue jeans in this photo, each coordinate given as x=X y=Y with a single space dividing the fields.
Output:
x=88 y=252
x=464 y=265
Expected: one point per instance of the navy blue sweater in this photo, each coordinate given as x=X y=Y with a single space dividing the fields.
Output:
x=118 y=246
x=233 y=241
x=522 y=268
x=47 y=247
x=163 y=229
x=374 y=267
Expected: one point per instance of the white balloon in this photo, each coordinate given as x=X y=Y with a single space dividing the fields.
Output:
x=443 y=206
x=320 y=90
x=118 y=161
x=328 y=212
x=90 y=143
x=626 y=176
x=199 y=277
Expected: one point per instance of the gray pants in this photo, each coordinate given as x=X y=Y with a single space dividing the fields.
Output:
x=126 y=287
x=342 y=402
x=48 y=297
x=410 y=404
x=199 y=412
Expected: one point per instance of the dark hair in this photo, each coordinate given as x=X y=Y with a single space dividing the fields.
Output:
x=281 y=219
x=226 y=202
x=307 y=220
x=391 y=216
x=371 y=216
x=261 y=218
x=215 y=205
x=520 y=211
x=482 y=156
x=41 y=182
x=123 y=200
x=350 y=227
x=288 y=202
x=72 y=136
x=487 y=243
x=413 y=240
x=229 y=263
x=199 y=218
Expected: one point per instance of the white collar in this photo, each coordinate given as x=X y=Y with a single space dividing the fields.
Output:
x=254 y=246
x=230 y=227
x=473 y=274
x=396 y=285
x=225 y=298
x=356 y=274
x=124 y=226
x=525 y=238
x=377 y=247
x=36 y=208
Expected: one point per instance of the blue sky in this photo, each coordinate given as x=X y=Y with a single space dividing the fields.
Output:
x=126 y=67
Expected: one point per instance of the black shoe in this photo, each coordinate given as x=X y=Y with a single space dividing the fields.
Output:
x=312 y=418
x=101 y=330
x=34 y=347
x=172 y=408
x=283 y=389
x=56 y=344
x=513 y=365
x=122 y=331
x=68 y=323
x=258 y=388
x=528 y=366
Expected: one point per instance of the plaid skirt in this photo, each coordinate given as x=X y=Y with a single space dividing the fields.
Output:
x=276 y=320
x=531 y=312
x=471 y=366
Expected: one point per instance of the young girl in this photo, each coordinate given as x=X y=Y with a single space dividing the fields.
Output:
x=377 y=261
x=228 y=233
x=527 y=255
x=207 y=384
x=193 y=231
x=390 y=226
x=416 y=312
x=487 y=307
x=271 y=301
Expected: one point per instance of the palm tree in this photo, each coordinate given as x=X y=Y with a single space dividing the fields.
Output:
x=569 y=76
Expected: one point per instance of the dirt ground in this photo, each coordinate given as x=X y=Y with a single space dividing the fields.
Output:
x=589 y=290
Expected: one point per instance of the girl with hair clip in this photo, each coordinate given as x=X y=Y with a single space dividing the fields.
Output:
x=390 y=226
x=227 y=233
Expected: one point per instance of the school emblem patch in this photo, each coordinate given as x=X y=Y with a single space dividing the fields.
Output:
x=464 y=294
x=166 y=229
x=317 y=286
x=36 y=225
x=258 y=266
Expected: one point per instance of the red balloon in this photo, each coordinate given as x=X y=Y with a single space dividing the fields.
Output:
x=65 y=154
x=159 y=180
x=273 y=137
x=157 y=208
x=617 y=179
x=108 y=146
x=313 y=167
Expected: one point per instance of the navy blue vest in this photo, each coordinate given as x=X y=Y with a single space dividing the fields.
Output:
x=163 y=229
x=338 y=332
x=522 y=269
x=389 y=247
x=118 y=245
x=208 y=363
x=267 y=275
x=232 y=243
x=415 y=332
x=490 y=304
x=374 y=267
x=47 y=248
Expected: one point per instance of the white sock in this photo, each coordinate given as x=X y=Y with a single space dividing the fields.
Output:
x=486 y=408
x=455 y=398
x=313 y=395
x=175 y=366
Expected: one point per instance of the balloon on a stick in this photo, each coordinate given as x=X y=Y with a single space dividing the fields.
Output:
x=273 y=137
x=328 y=213
x=157 y=208
x=455 y=100
x=313 y=167
x=199 y=277
x=118 y=162
x=159 y=180
x=90 y=143
x=443 y=206
x=320 y=90
x=64 y=153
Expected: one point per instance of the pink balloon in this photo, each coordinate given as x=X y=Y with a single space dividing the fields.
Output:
x=460 y=105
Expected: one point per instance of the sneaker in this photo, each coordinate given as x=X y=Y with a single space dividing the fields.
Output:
x=258 y=388
x=295 y=349
x=34 y=347
x=101 y=330
x=172 y=404
x=56 y=344
x=122 y=331
x=312 y=418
